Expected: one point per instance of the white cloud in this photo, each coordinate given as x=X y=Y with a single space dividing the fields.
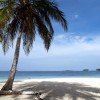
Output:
x=75 y=45
x=66 y=50
x=72 y=38
x=66 y=45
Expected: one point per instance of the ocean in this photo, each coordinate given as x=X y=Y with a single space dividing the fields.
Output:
x=22 y=75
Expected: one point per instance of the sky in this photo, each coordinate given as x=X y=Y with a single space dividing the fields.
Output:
x=76 y=49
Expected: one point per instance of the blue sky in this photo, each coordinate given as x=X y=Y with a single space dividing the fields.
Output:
x=76 y=49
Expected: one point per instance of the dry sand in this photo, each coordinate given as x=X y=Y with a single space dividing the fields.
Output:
x=58 y=89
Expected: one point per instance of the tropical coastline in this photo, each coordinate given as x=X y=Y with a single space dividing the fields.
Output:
x=69 y=31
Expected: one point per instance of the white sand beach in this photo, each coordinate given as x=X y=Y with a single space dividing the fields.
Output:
x=58 y=89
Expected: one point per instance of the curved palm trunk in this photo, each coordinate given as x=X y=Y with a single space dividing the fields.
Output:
x=8 y=85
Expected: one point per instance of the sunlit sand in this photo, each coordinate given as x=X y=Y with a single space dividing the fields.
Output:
x=58 y=89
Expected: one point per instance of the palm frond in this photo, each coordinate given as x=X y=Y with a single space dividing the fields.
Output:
x=6 y=43
x=27 y=18
x=43 y=31
x=51 y=8
x=6 y=13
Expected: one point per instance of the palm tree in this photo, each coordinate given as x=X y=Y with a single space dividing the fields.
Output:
x=29 y=17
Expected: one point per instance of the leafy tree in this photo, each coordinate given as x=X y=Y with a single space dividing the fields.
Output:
x=23 y=19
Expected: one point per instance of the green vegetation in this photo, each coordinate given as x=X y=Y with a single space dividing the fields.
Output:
x=22 y=19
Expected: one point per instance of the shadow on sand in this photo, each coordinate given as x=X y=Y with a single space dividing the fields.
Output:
x=59 y=91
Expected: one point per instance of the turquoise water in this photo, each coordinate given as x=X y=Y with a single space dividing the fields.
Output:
x=50 y=74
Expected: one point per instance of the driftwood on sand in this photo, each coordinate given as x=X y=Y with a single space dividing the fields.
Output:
x=37 y=94
x=10 y=92
x=19 y=93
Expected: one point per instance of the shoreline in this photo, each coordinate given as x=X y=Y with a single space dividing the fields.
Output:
x=90 y=81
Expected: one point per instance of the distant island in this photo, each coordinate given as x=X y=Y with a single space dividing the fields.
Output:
x=85 y=69
x=97 y=69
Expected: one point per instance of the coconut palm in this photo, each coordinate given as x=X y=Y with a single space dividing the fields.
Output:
x=29 y=17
